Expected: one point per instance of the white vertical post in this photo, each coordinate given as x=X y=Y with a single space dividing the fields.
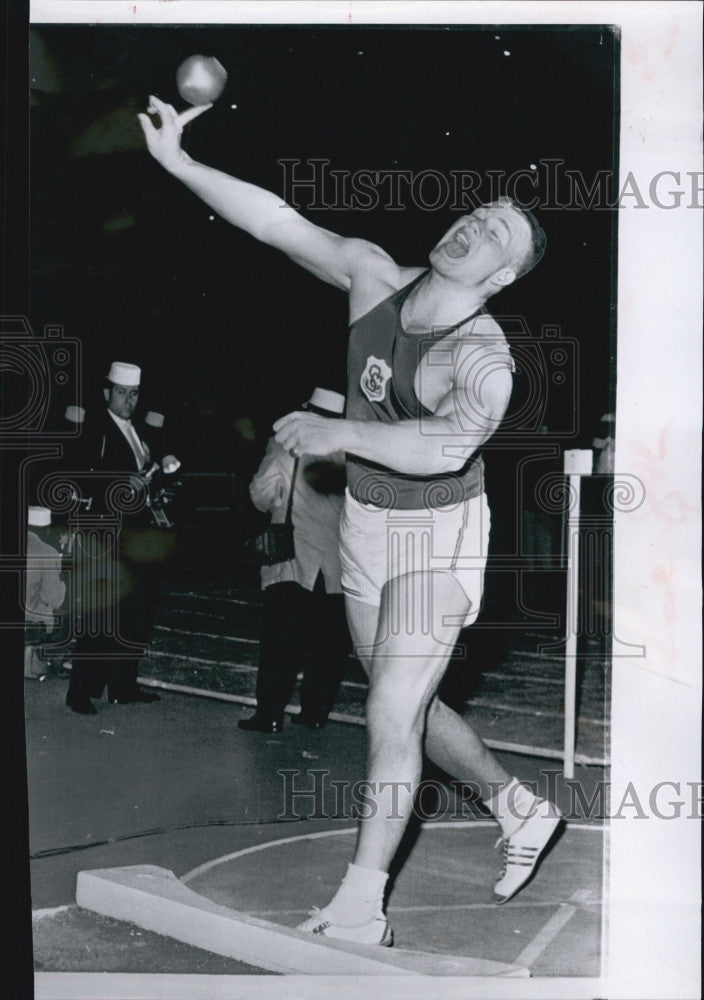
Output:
x=577 y=463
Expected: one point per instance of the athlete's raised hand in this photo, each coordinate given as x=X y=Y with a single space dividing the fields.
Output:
x=164 y=143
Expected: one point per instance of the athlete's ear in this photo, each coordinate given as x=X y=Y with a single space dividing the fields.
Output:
x=503 y=277
x=106 y=395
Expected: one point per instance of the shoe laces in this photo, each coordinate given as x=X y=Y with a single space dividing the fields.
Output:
x=316 y=914
x=316 y=923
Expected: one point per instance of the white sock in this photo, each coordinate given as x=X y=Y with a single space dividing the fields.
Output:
x=359 y=898
x=512 y=805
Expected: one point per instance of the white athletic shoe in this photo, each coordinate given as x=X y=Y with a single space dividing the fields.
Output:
x=522 y=850
x=376 y=931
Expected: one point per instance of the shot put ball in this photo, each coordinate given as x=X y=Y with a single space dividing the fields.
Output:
x=201 y=79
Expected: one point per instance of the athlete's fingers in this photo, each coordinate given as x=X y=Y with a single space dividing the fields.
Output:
x=292 y=447
x=147 y=127
x=287 y=435
x=187 y=116
x=168 y=110
x=290 y=438
x=286 y=420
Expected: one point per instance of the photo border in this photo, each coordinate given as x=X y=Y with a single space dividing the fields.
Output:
x=652 y=936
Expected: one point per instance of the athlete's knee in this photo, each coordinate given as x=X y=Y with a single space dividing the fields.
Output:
x=397 y=707
x=394 y=727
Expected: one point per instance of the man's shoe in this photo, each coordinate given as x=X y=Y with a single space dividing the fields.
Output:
x=261 y=724
x=376 y=931
x=308 y=721
x=132 y=697
x=523 y=849
x=81 y=704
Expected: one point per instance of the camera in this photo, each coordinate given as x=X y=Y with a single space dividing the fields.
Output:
x=545 y=382
x=36 y=372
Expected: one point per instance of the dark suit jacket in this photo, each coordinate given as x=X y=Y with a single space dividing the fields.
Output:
x=103 y=458
x=110 y=449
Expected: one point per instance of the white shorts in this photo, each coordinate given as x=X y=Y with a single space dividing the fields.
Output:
x=378 y=545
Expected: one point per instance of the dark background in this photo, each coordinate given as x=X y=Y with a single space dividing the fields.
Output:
x=131 y=264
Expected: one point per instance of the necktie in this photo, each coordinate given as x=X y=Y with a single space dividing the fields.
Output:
x=140 y=452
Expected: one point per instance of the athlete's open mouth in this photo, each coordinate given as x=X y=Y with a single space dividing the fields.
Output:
x=458 y=246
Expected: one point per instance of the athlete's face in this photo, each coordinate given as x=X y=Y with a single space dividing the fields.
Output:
x=484 y=246
x=122 y=400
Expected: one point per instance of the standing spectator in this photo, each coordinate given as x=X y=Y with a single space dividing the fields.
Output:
x=119 y=578
x=44 y=590
x=304 y=619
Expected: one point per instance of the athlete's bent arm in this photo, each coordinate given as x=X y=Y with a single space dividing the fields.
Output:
x=443 y=443
x=262 y=214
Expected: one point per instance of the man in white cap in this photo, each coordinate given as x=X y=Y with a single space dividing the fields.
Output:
x=44 y=589
x=114 y=445
x=429 y=381
x=122 y=395
x=304 y=628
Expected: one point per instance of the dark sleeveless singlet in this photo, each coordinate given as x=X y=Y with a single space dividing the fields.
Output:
x=381 y=365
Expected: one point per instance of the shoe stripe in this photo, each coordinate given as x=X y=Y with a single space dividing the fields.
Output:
x=517 y=856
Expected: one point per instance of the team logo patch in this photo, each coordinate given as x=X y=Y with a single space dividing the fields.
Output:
x=374 y=378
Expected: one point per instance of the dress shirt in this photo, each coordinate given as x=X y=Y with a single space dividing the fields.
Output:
x=139 y=448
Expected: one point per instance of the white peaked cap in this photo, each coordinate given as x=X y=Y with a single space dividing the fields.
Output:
x=76 y=414
x=326 y=399
x=154 y=419
x=38 y=517
x=122 y=373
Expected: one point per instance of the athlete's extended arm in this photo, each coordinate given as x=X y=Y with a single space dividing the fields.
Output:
x=260 y=213
x=462 y=422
